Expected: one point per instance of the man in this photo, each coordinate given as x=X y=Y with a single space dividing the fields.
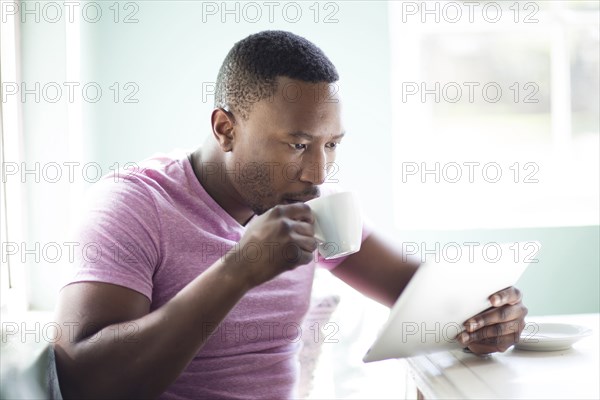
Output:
x=193 y=246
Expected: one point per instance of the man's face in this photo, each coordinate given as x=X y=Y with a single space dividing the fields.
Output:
x=286 y=145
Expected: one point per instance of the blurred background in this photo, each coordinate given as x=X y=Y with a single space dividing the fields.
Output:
x=467 y=122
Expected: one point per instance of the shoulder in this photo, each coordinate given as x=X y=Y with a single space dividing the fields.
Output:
x=136 y=183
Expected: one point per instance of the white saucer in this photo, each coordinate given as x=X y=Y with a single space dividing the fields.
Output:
x=541 y=336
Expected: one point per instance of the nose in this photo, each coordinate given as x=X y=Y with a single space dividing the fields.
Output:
x=314 y=168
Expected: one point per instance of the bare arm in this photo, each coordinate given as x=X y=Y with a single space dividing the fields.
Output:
x=379 y=270
x=149 y=350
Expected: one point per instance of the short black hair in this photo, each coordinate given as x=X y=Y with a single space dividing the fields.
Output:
x=250 y=69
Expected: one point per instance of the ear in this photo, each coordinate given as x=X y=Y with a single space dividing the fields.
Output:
x=223 y=124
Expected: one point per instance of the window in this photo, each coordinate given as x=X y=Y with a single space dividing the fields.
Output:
x=11 y=198
x=39 y=197
x=495 y=119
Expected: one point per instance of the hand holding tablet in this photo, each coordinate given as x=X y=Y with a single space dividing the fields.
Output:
x=443 y=296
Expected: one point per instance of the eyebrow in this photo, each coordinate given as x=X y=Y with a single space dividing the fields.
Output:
x=308 y=136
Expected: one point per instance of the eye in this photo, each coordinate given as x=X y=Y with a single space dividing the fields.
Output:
x=298 y=146
x=332 y=145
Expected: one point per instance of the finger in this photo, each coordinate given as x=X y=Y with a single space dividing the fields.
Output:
x=295 y=255
x=513 y=328
x=305 y=243
x=492 y=345
x=495 y=316
x=297 y=211
x=510 y=295
x=303 y=228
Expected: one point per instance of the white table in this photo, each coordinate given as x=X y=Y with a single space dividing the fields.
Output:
x=515 y=374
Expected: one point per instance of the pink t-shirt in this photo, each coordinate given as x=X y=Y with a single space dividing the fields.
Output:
x=153 y=230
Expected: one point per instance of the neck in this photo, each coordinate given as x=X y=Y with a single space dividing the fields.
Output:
x=218 y=185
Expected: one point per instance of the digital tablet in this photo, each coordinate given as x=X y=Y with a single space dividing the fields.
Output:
x=447 y=290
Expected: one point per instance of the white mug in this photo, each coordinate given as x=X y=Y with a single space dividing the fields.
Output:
x=338 y=224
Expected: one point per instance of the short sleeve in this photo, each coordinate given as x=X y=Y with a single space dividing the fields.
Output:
x=117 y=236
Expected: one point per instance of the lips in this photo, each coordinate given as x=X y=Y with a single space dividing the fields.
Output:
x=299 y=200
x=301 y=196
